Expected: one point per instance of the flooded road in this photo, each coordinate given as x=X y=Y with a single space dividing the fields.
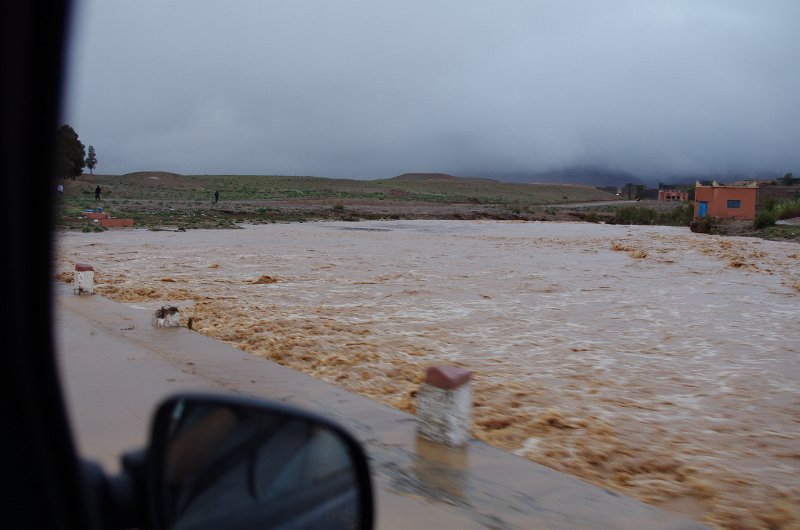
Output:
x=648 y=360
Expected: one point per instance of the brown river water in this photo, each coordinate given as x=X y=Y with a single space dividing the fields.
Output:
x=648 y=360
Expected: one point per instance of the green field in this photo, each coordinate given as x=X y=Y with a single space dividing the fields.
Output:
x=159 y=198
x=169 y=186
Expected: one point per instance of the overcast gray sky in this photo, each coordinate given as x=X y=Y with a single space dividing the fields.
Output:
x=372 y=89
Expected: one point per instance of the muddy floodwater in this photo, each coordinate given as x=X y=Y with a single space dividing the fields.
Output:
x=649 y=360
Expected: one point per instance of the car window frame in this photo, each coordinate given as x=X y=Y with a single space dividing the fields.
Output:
x=42 y=465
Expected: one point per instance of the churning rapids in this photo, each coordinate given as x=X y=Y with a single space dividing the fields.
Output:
x=648 y=360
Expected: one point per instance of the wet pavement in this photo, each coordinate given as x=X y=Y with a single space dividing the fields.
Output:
x=117 y=366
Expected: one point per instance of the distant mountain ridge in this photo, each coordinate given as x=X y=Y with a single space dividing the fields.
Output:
x=587 y=176
x=425 y=176
x=580 y=175
x=584 y=176
x=600 y=177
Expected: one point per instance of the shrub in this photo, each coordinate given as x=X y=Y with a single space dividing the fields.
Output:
x=641 y=215
x=635 y=215
x=769 y=203
x=787 y=209
x=704 y=225
x=765 y=218
x=774 y=210
x=684 y=214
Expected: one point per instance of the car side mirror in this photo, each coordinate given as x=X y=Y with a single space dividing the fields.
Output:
x=235 y=463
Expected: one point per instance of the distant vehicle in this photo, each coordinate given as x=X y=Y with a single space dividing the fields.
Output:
x=213 y=461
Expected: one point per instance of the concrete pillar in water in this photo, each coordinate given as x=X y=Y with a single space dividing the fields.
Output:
x=83 y=281
x=444 y=406
x=167 y=316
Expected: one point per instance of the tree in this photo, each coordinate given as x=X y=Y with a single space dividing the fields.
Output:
x=70 y=156
x=91 y=159
x=788 y=179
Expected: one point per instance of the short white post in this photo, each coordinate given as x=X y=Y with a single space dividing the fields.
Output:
x=83 y=281
x=444 y=406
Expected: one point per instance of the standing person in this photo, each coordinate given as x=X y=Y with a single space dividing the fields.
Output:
x=97 y=193
x=216 y=196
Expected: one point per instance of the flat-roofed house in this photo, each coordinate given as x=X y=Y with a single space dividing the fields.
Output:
x=726 y=201
x=673 y=192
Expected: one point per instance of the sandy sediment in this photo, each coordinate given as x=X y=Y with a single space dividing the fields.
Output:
x=654 y=362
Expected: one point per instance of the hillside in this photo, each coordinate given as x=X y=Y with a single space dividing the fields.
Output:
x=156 y=198
x=424 y=176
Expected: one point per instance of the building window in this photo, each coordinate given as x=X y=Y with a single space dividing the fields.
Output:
x=734 y=204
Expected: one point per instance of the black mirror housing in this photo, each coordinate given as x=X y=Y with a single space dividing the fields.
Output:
x=223 y=461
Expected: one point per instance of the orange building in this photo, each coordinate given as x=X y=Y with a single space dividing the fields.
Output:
x=725 y=202
x=671 y=194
